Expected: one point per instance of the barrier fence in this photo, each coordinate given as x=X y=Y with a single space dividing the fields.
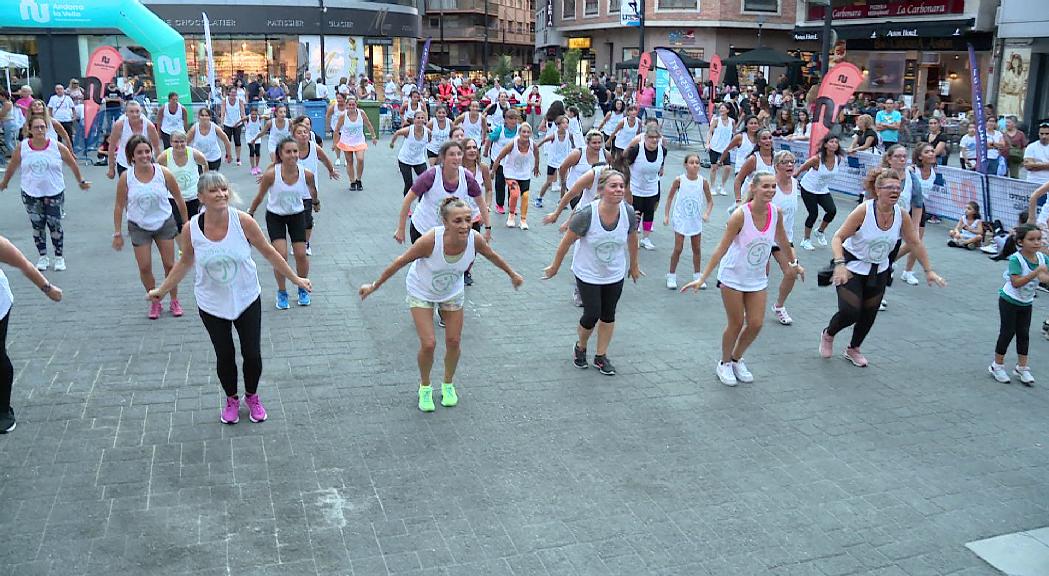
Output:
x=999 y=197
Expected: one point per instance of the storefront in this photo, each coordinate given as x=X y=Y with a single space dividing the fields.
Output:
x=1021 y=86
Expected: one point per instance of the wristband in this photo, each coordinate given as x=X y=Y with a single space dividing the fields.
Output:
x=487 y=227
x=117 y=235
x=838 y=261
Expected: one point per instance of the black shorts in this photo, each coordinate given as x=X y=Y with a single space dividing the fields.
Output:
x=233 y=133
x=714 y=156
x=430 y=154
x=522 y=185
x=616 y=150
x=413 y=232
x=214 y=165
x=281 y=227
x=307 y=209
x=551 y=170
x=120 y=170
x=777 y=248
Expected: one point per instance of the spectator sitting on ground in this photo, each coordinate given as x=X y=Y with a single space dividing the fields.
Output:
x=968 y=232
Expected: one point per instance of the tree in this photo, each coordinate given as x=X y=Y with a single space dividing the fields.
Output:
x=570 y=65
x=550 y=76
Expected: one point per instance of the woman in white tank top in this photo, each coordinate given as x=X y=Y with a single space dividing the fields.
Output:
x=625 y=131
x=183 y=162
x=413 y=106
x=352 y=141
x=38 y=161
x=210 y=140
x=252 y=129
x=276 y=129
x=579 y=161
x=473 y=123
x=816 y=175
x=284 y=185
x=688 y=206
x=861 y=248
x=718 y=138
x=440 y=128
x=411 y=158
x=132 y=123
x=561 y=142
x=786 y=200
x=438 y=262
x=216 y=245
x=173 y=116
x=520 y=162
x=741 y=144
x=335 y=112
x=759 y=159
x=742 y=259
x=311 y=156
x=924 y=167
x=233 y=117
x=144 y=191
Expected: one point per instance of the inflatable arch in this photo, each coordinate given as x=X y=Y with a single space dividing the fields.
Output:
x=165 y=45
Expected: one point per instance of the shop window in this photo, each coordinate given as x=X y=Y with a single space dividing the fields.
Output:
x=613 y=6
x=764 y=6
x=590 y=7
x=568 y=10
x=677 y=5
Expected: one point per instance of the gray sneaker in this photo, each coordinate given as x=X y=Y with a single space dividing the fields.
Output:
x=998 y=373
x=1024 y=372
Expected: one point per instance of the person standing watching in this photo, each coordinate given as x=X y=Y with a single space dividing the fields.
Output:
x=887 y=124
x=1036 y=157
x=60 y=105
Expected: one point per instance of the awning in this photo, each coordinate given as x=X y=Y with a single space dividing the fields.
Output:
x=10 y=59
x=888 y=30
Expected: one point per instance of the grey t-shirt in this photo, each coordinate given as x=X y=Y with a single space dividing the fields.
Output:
x=580 y=221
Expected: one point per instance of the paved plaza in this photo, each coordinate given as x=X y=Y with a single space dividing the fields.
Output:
x=119 y=464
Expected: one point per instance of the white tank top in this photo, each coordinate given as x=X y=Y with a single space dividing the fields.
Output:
x=906 y=192
x=438 y=135
x=286 y=199
x=125 y=135
x=308 y=161
x=413 y=149
x=278 y=133
x=610 y=126
x=926 y=183
x=1026 y=292
x=208 y=144
x=582 y=166
x=627 y=133
x=722 y=134
x=409 y=111
x=186 y=175
x=147 y=202
x=434 y=278
x=473 y=129
x=689 y=205
x=644 y=175
x=557 y=149
x=475 y=210
x=589 y=194
x=519 y=165
x=352 y=131
x=817 y=180
x=743 y=267
x=788 y=206
x=172 y=121
x=427 y=214
x=599 y=257
x=870 y=244
x=227 y=282
x=740 y=154
x=252 y=128
x=41 y=172
x=232 y=115
x=336 y=114
x=6 y=297
x=577 y=131
x=500 y=141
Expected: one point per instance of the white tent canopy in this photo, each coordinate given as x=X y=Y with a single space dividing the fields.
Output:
x=12 y=60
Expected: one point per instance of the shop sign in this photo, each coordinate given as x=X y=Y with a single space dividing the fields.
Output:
x=549 y=13
x=890 y=9
x=262 y=19
x=578 y=43
x=378 y=41
x=682 y=37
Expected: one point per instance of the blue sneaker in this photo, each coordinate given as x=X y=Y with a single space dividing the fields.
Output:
x=282 y=299
x=304 y=298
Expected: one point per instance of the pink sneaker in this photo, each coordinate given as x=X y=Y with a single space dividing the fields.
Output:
x=231 y=413
x=826 y=345
x=256 y=412
x=853 y=355
x=154 y=310
x=176 y=308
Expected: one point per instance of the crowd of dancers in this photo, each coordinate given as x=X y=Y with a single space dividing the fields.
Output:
x=460 y=171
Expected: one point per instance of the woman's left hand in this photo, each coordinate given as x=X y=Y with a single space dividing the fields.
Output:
x=934 y=278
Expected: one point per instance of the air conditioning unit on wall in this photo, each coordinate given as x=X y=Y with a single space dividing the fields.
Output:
x=930 y=59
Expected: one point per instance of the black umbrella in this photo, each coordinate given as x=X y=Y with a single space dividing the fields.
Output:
x=762 y=57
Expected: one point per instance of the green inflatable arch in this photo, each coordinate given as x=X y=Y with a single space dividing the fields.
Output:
x=129 y=16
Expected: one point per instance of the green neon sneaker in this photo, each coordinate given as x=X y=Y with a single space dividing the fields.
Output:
x=448 y=396
x=426 y=398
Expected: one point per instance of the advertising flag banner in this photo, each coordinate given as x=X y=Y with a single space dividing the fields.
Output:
x=685 y=85
x=838 y=86
x=211 y=57
x=102 y=66
x=628 y=13
x=423 y=60
x=981 y=120
x=643 y=66
x=715 y=79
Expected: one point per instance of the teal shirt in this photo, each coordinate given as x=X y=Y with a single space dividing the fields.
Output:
x=887 y=135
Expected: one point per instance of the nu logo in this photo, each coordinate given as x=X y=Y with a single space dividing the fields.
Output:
x=30 y=10
x=170 y=66
x=380 y=19
x=843 y=79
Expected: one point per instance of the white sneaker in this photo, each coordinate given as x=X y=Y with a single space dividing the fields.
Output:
x=722 y=192
x=782 y=316
x=338 y=162
x=1024 y=372
x=989 y=249
x=647 y=244
x=998 y=373
x=511 y=222
x=739 y=370
x=909 y=277
x=672 y=281
x=821 y=238
x=43 y=263
x=883 y=306
x=524 y=225
x=309 y=249
x=807 y=244
x=726 y=374
x=60 y=263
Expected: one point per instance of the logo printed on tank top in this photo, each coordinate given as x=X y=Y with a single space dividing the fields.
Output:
x=220 y=266
x=606 y=251
x=289 y=201
x=687 y=208
x=758 y=252
x=879 y=248
x=37 y=165
x=184 y=179
x=150 y=199
x=444 y=281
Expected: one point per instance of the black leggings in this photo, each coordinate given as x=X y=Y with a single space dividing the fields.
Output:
x=645 y=206
x=858 y=301
x=407 y=176
x=233 y=133
x=1016 y=321
x=813 y=202
x=249 y=329
x=500 y=187
x=599 y=302
x=7 y=371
